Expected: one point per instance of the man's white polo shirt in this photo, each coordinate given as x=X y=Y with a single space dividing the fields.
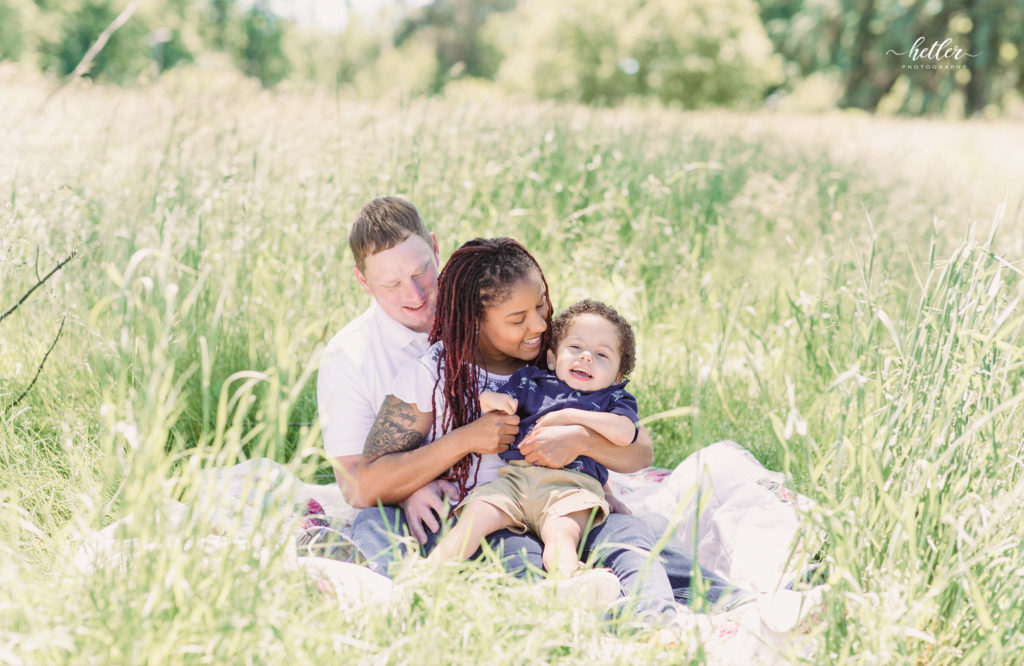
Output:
x=355 y=373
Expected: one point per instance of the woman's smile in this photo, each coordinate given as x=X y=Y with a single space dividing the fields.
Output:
x=532 y=343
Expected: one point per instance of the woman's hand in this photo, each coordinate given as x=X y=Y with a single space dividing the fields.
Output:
x=553 y=446
x=493 y=432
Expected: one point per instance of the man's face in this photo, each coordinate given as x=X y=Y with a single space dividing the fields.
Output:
x=403 y=280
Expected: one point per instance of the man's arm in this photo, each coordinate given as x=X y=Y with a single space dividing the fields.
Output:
x=557 y=446
x=419 y=508
x=346 y=469
x=347 y=413
x=616 y=428
x=395 y=462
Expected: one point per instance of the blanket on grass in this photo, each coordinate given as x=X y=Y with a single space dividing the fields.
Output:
x=719 y=505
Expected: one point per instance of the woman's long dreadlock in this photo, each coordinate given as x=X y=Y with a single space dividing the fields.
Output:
x=479 y=274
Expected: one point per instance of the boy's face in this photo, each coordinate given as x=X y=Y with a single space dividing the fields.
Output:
x=403 y=280
x=588 y=356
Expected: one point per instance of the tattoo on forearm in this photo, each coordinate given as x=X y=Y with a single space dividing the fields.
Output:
x=394 y=430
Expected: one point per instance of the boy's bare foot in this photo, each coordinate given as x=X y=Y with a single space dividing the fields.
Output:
x=590 y=587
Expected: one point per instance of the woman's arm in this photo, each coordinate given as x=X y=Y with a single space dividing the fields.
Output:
x=396 y=463
x=616 y=428
x=557 y=446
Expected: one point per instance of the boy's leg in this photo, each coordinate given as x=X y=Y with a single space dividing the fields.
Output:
x=477 y=520
x=561 y=537
x=376 y=533
x=621 y=543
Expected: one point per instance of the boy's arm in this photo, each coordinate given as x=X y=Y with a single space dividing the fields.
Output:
x=616 y=428
x=491 y=401
x=557 y=446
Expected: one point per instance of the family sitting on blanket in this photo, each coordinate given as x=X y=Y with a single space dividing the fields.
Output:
x=401 y=409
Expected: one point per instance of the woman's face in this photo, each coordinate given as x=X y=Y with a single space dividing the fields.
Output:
x=511 y=330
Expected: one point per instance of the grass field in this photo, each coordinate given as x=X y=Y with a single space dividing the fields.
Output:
x=841 y=294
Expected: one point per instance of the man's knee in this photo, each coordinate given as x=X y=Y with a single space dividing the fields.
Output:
x=375 y=532
x=623 y=529
x=520 y=554
x=379 y=520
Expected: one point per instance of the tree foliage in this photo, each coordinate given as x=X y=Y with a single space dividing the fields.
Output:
x=261 y=52
x=12 y=41
x=125 y=56
x=859 y=42
x=454 y=31
x=697 y=54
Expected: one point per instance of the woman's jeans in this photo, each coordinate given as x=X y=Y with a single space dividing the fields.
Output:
x=622 y=543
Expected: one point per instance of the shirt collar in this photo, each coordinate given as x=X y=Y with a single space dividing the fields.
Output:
x=395 y=332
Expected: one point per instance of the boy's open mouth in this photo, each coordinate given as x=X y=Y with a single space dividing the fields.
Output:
x=581 y=373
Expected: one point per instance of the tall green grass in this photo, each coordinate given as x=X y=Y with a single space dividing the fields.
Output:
x=832 y=292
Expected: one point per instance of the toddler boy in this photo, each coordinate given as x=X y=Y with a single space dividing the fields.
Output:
x=592 y=349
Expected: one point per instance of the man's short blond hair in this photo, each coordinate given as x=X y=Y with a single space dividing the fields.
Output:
x=381 y=225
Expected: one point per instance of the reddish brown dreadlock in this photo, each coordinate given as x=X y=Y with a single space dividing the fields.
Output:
x=478 y=275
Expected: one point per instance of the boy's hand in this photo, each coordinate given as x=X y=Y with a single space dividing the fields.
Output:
x=498 y=402
x=614 y=502
x=552 y=446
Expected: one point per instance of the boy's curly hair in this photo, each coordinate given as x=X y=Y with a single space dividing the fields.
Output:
x=627 y=342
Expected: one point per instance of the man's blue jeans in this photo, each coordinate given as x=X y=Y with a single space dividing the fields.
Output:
x=622 y=544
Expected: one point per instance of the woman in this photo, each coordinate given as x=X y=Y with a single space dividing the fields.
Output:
x=493 y=315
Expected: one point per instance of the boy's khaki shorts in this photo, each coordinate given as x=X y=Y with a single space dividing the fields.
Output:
x=531 y=495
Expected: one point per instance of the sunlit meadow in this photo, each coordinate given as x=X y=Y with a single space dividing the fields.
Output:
x=841 y=294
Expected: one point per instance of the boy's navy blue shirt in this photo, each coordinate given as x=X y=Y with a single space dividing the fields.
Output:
x=540 y=392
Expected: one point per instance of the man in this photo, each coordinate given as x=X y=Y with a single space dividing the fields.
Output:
x=397 y=263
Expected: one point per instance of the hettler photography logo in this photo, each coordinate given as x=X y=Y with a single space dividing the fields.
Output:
x=939 y=55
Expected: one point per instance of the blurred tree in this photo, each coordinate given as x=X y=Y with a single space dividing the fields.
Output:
x=410 y=69
x=859 y=41
x=696 y=54
x=11 y=40
x=174 y=39
x=261 y=54
x=125 y=56
x=996 y=31
x=454 y=31
x=167 y=49
x=332 y=59
x=222 y=12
